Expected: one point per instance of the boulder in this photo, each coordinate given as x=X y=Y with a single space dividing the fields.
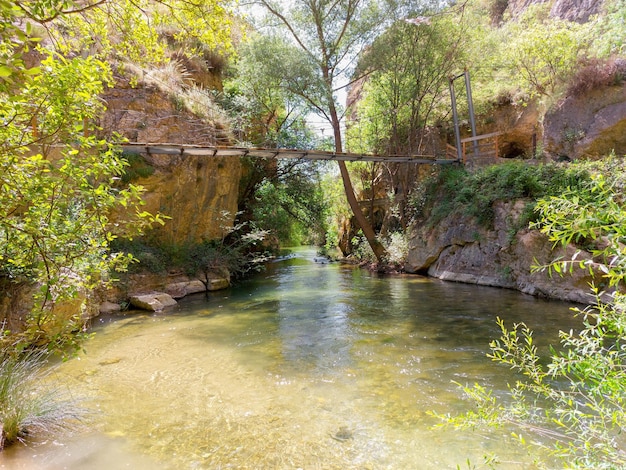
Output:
x=218 y=284
x=154 y=302
x=571 y=10
x=107 y=308
x=180 y=289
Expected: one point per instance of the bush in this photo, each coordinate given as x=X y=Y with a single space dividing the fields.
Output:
x=235 y=254
x=597 y=73
x=454 y=189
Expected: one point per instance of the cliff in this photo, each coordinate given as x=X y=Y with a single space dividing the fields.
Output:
x=572 y=10
x=458 y=249
x=199 y=194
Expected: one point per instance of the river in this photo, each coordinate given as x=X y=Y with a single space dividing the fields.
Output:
x=308 y=365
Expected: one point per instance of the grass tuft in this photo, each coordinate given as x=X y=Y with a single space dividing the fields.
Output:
x=29 y=405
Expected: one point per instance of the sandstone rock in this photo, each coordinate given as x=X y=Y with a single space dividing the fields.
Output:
x=517 y=124
x=591 y=125
x=218 y=284
x=460 y=250
x=199 y=193
x=154 y=302
x=180 y=289
x=107 y=308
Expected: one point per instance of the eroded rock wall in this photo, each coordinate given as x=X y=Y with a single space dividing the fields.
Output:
x=198 y=193
x=458 y=249
x=572 y=10
x=589 y=125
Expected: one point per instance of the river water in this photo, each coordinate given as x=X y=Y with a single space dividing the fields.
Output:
x=312 y=366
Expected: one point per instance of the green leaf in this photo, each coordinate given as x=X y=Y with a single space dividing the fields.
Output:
x=5 y=71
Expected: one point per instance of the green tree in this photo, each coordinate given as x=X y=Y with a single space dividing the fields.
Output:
x=58 y=190
x=330 y=35
x=410 y=65
x=291 y=204
x=608 y=32
x=60 y=200
x=140 y=31
x=543 y=51
x=265 y=114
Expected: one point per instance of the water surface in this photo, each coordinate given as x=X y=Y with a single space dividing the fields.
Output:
x=312 y=366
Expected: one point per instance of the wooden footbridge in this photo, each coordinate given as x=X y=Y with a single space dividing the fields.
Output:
x=488 y=151
x=224 y=151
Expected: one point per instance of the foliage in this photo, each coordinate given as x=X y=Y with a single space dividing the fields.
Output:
x=338 y=208
x=609 y=38
x=407 y=88
x=453 y=189
x=330 y=35
x=575 y=398
x=137 y=168
x=285 y=198
x=27 y=406
x=17 y=38
x=397 y=245
x=265 y=113
x=599 y=224
x=544 y=52
x=595 y=73
x=238 y=252
x=235 y=255
x=130 y=30
x=58 y=188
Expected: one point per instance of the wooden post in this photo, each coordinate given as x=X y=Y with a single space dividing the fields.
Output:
x=497 y=150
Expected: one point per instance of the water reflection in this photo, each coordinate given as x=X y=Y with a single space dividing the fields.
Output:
x=308 y=366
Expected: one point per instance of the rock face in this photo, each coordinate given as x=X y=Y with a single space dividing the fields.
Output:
x=576 y=10
x=589 y=125
x=518 y=124
x=198 y=193
x=572 y=10
x=457 y=249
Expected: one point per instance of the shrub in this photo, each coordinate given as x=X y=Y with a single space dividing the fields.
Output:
x=454 y=189
x=137 y=168
x=597 y=73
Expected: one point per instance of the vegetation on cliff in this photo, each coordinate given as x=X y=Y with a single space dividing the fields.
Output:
x=456 y=190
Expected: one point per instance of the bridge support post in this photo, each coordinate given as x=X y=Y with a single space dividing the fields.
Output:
x=470 y=105
x=455 y=118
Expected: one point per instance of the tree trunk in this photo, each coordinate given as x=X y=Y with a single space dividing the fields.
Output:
x=361 y=220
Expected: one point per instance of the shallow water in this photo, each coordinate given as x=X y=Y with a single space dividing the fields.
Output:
x=313 y=366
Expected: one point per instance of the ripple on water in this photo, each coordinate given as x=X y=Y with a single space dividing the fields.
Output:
x=311 y=366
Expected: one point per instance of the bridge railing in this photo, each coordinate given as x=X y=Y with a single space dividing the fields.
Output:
x=481 y=150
